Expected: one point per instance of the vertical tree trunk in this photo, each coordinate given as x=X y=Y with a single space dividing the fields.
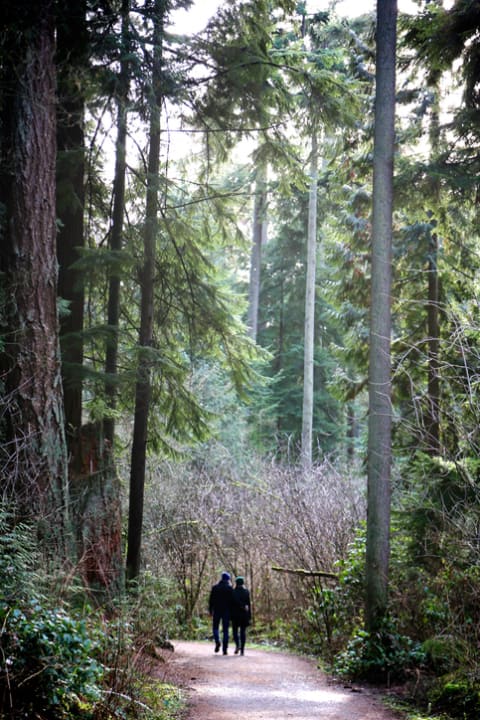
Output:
x=258 y=240
x=33 y=450
x=433 y=324
x=115 y=240
x=351 y=431
x=143 y=386
x=71 y=57
x=380 y=411
x=309 y=333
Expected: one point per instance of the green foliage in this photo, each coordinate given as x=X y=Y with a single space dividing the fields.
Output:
x=379 y=657
x=165 y=701
x=47 y=660
x=281 y=319
x=444 y=653
x=19 y=559
x=155 y=608
x=458 y=696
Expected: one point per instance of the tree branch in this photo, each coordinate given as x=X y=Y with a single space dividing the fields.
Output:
x=306 y=573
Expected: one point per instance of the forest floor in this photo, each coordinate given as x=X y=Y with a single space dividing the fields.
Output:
x=266 y=685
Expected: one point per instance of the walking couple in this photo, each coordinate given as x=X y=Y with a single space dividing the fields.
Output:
x=227 y=604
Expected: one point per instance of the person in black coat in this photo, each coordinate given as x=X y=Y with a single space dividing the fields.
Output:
x=241 y=615
x=220 y=608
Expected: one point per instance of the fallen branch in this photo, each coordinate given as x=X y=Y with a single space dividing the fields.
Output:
x=306 y=573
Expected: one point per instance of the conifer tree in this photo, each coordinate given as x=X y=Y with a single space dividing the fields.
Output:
x=380 y=408
x=117 y=224
x=143 y=384
x=72 y=62
x=34 y=457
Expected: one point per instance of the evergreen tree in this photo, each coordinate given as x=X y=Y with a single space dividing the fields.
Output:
x=72 y=58
x=380 y=408
x=34 y=458
x=143 y=384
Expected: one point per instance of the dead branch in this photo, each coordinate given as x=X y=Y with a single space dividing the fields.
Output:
x=306 y=573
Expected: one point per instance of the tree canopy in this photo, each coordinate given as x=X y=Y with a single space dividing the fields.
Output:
x=223 y=251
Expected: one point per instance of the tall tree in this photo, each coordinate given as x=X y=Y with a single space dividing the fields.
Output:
x=379 y=381
x=116 y=230
x=309 y=334
x=433 y=313
x=258 y=241
x=71 y=60
x=34 y=458
x=143 y=385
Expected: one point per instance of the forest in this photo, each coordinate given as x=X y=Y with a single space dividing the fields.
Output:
x=238 y=319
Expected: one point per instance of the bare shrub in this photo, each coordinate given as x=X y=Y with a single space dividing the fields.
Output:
x=204 y=517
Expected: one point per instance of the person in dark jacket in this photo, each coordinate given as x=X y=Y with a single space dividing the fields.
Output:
x=241 y=615
x=220 y=607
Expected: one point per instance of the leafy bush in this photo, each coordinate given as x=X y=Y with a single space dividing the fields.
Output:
x=47 y=657
x=444 y=653
x=47 y=664
x=379 y=657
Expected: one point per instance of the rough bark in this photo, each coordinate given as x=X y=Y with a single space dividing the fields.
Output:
x=309 y=331
x=380 y=411
x=33 y=450
x=143 y=385
x=96 y=515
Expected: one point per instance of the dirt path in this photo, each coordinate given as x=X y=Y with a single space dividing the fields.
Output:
x=266 y=686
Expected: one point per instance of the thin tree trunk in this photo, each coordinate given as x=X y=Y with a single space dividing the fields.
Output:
x=71 y=58
x=433 y=411
x=309 y=333
x=279 y=360
x=351 y=431
x=258 y=241
x=380 y=410
x=143 y=386
x=33 y=457
x=116 y=234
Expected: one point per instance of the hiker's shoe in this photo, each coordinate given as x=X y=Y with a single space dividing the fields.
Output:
x=225 y=652
x=237 y=650
x=217 y=646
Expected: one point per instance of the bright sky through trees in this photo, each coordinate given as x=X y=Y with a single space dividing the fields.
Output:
x=195 y=19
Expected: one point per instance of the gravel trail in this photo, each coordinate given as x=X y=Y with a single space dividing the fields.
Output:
x=266 y=685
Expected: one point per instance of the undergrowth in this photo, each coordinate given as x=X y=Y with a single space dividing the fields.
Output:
x=62 y=662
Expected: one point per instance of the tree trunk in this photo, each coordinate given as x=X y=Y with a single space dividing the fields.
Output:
x=433 y=324
x=380 y=410
x=143 y=386
x=71 y=57
x=33 y=450
x=351 y=431
x=97 y=519
x=309 y=333
x=116 y=233
x=258 y=240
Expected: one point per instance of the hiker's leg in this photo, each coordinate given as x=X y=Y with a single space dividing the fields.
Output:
x=225 y=627
x=215 y=629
